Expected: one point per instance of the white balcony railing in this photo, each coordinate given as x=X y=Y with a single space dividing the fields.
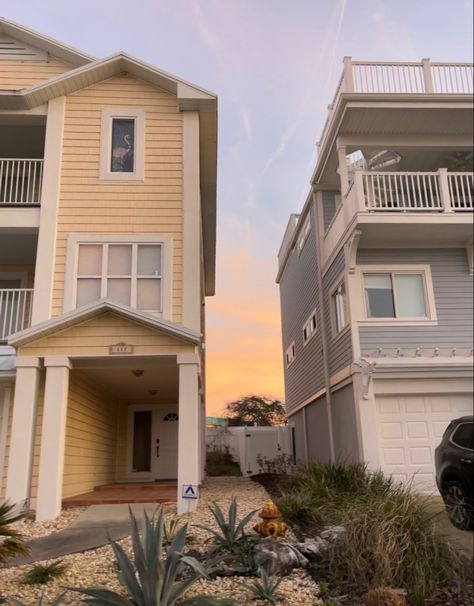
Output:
x=20 y=181
x=15 y=310
x=415 y=78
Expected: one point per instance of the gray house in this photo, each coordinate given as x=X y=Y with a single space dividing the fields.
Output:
x=375 y=274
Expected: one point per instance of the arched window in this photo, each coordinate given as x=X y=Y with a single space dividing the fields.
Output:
x=171 y=416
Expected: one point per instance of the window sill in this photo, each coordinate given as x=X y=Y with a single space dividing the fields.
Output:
x=121 y=177
x=341 y=333
x=396 y=322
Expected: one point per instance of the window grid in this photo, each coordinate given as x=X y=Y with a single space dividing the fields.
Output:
x=104 y=277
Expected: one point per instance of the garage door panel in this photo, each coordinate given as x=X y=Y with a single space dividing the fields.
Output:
x=409 y=428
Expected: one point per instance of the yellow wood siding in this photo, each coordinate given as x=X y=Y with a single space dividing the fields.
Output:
x=122 y=440
x=93 y=338
x=89 y=205
x=91 y=436
x=15 y=75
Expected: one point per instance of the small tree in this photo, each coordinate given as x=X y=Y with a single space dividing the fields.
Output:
x=255 y=410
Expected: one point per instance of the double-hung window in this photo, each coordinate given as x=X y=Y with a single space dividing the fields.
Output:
x=126 y=273
x=396 y=295
x=309 y=328
x=121 y=144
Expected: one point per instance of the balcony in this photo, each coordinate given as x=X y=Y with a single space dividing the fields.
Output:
x=20 y=182
x=413 y=208
x=374 y=79
x=15 y=311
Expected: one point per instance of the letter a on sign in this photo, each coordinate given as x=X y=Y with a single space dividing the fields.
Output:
x=190 y=491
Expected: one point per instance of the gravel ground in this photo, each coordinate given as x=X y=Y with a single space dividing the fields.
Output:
x=97 y=567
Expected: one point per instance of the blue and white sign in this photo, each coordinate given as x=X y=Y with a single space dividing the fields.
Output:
x=190 y=491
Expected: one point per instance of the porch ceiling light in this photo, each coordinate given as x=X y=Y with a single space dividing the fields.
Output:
x=153 y=392
x=137 y=373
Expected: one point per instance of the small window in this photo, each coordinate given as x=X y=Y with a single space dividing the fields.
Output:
x=309 y=329
x=304 y=234
x=122 y=144
x=290 y=354
x=463 y=436
x=395 y=295
x=339 y=307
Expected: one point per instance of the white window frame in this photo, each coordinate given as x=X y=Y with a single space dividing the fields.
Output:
x=305 y=231
x=334 y=310
x=290 y=354
x=431 y=318
x=308 y=330
x=74 y=240
x=108 y=115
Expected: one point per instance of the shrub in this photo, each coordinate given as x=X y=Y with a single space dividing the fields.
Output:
x=281 y=464
x=390 y=536
x=221 y=463
x=40 y=574
x=11 y=541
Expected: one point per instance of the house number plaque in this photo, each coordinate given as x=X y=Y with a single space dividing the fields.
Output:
x=121 y=348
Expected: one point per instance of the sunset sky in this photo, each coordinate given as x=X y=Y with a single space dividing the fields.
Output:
x=274 y=65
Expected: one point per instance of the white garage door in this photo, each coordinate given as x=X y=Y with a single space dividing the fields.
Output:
x=409 y=429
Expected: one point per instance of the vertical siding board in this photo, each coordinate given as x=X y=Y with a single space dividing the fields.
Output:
x=452 y=285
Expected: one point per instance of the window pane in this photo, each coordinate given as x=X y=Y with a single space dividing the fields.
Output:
x=90 y=260
x=118 y=289
x=339 y=306
x=410 y=296
x=120 y=260
x=123 y=145
x=464 y=436
x=149 y=294
x=379 y=296
x=88 y=290
x=149 y=260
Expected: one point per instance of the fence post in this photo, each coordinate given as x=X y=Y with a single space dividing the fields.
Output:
x=444 y=193
x=427 y=76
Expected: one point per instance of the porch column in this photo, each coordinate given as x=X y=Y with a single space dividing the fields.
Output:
x=20 y=458
x=188 y=432
x=53 y=437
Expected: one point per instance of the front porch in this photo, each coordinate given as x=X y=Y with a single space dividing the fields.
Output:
x=111 y=494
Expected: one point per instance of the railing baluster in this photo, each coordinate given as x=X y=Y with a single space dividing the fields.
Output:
x=20 y=181
x=15 y=310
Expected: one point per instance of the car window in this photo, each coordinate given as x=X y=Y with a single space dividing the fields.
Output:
x=464 y=436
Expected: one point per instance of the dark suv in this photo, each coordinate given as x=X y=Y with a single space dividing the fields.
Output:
x=454 y=460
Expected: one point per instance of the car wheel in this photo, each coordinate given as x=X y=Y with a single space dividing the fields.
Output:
x=458 y=505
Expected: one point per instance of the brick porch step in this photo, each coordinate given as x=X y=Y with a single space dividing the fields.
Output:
x=124 y=493
x=136 y=487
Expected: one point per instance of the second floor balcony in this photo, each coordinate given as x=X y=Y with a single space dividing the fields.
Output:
x=405 y=209
x=20 y=182
x=15 y=311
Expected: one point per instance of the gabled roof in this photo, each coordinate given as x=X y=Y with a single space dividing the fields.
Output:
x=98 y=308
x=32 y=38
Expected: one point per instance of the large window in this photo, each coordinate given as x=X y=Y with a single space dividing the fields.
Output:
x=121 y=144
x=130 y=274
x=395 y=295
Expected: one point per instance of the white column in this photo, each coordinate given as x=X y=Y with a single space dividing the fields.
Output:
x=45 y=255
x=191 y=223
x=20 y=458
x=188 y=433
x=53 y=438
x=444 y=193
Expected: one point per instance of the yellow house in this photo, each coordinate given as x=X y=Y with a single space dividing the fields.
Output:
x=107 y=251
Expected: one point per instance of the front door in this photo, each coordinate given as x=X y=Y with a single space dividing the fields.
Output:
x=153 y=442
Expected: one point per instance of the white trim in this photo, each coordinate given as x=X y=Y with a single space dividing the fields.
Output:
x=5 y=394
x=304 y=233
x=15 y=275
x=166 y=241
x=290 y=354
x=307 y=325
x=108 y=115
x=335 y=333
x=46 y=249
x=423 y=270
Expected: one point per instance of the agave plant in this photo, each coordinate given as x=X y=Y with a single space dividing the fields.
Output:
x=265 y=587
x=170 y=528
x=11 y=541
x=231 y=532
x=149 y=579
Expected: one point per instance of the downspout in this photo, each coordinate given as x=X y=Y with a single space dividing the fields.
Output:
x=319 y=285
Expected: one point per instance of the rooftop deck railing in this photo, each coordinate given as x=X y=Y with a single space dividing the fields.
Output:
x=20 y=182
x=15 y=310
x=405 y=78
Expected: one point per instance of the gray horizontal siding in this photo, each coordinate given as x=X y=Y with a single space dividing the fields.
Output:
x=329 y=207
x=298 y=298
x=319 y=449
x=344 y=422
x=339 y=346
x=452 y=285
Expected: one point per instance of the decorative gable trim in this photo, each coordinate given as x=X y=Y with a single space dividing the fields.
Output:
x=15 y=50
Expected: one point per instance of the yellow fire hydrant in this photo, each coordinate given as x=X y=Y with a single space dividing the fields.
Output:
x=271 y=525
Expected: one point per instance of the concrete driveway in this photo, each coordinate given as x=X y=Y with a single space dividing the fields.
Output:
x=461 y=539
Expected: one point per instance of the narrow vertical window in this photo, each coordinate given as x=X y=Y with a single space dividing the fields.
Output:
x=339 y=305
x=122 y=157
